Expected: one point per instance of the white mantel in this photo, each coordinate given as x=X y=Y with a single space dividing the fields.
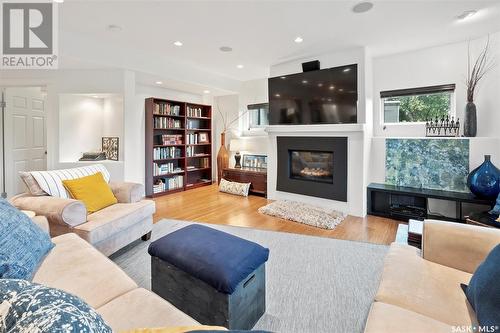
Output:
x=336 y=128
x=356 y=155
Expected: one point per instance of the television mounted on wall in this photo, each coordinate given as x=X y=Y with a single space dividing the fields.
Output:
x=327 y=96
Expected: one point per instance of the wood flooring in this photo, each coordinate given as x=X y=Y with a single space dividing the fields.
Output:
x=207 y=204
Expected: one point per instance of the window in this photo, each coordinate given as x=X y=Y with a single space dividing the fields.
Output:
x=418 y=104
x=258 y=115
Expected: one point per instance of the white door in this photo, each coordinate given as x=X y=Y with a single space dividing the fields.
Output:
x=25 y=135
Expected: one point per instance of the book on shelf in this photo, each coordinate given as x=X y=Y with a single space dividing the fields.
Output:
x=194 y=111
x=165 y=169
x=161 y=153
x=166 y=123
x=165 y=109
x=167 y=184
x=171 y=139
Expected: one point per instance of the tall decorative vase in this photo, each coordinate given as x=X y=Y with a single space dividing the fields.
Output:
x=222 y=157
x=484 y=181
x=470 y=123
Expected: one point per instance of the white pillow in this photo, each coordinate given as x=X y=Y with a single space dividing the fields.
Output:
x=234 y=187
x=51 y=181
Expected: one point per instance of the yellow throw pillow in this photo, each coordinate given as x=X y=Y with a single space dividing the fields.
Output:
x=92 y=190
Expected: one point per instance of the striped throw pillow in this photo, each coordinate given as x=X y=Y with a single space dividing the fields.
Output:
x=51 y=181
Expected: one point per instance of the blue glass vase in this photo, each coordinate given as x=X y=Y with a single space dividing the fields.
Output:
x=484 y=181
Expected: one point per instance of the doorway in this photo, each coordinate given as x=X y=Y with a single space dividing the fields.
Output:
x=25 y=146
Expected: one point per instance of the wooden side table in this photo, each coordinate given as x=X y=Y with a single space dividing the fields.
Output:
x=256 y=176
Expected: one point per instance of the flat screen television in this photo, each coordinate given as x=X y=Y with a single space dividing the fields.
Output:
x=327 y=96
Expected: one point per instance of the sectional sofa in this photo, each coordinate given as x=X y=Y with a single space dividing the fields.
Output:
x=75 y=266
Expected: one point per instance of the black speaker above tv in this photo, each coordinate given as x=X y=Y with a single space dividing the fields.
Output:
x=327 y=96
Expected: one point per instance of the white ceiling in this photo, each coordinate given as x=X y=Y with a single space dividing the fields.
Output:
x=261 y=33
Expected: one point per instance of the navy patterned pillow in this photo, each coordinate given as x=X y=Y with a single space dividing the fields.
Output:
x=31 y=307
x=23 y=244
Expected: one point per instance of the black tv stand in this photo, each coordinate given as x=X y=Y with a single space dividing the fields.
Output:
x=404 y=203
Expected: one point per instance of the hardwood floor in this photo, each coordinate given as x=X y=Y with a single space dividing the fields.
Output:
x=207 y=204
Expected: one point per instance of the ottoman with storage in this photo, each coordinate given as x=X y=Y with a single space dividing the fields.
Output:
x=216 y=278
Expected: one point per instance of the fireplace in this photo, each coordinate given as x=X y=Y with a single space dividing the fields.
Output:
x=313 y=166
x=310 y=165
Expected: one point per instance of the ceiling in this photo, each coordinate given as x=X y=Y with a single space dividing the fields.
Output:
x=261 y=33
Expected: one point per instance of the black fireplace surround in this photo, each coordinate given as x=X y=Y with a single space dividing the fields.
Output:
x=313 y=166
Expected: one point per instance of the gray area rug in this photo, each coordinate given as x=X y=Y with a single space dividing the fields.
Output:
x=313 y=284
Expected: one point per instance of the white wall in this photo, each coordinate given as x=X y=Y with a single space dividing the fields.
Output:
x=435 y=66
x=80 y=125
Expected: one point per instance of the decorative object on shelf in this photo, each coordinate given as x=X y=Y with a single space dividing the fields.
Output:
x=222 y=155
x=481 y=67
x=93 y=156
x=203 y=138
x=255 y=161
x=237 y=145
x=484 y=181
x=110 y=147
x=443 y=127
x=438 y=164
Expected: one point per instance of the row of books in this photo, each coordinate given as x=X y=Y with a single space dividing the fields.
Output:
x=194 y=112
x=195 y=138
x=165 y=169
x=202 y=163
x=166 y=184
x=171 y=139
x=163 y=122
x=167 y=109
x=166 y=152
x=190 y=124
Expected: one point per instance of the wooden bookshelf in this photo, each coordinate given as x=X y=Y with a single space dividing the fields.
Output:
x=176 y=155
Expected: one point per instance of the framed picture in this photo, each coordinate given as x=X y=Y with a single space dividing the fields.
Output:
x=254 y=161
x=110 y=147
x=203 y=138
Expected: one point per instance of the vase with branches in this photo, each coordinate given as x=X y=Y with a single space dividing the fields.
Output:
x=475 y=73
x=223 y=154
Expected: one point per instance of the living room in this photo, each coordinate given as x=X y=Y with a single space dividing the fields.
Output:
x=266 y=166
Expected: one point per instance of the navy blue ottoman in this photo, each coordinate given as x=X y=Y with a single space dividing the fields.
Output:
x=216 y=278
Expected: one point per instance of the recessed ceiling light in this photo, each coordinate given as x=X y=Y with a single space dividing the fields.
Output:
x=341 y=90
x=206 y=91
x=305 y=81
x=159 y=82
x=225 y=48
x=347 y=70
x=277 y=95
x=467 y=14
x=114 y=28
x=178 y=43
x=331 y=87
x=362 y=7
x=239 y=66
x=298 y=39
x=320 y=84
x=283 y=77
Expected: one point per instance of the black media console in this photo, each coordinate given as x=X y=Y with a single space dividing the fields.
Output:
x=404 y=203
